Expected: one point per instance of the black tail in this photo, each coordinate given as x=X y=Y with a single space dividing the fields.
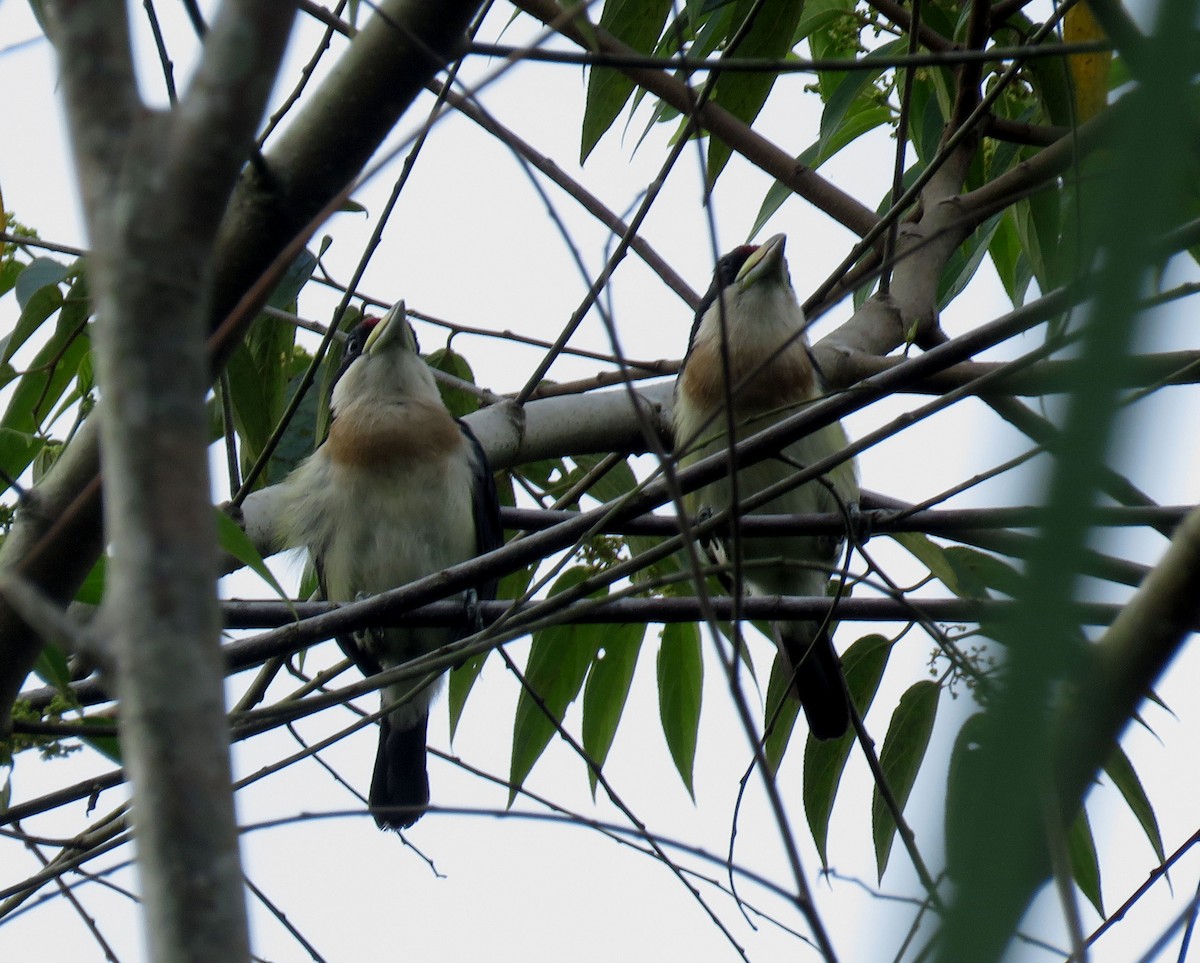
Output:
x=817 y=679
x=400 y=779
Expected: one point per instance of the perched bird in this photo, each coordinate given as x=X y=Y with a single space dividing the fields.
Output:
x=399 y=490
x=772 y=376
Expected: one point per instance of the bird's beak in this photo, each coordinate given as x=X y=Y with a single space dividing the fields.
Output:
x=768 y=261
x=391 y=326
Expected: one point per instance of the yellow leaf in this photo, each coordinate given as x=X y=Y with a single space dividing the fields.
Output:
x=1089 y=71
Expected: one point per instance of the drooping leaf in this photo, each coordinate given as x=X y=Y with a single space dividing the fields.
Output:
x=1085 y=865
x=299 y=438
x=559 y=659
x=1009 y=259
x=903 y=752
x=1120 y=770
x=638 y=23
x=857 y=123
x=91 y=592
x=743 y=94
x=964 y=783
x=680 y=690
x=461 y=681
x=825 y=761
x=234 y=541
x=978 y=568
x=854 y=90
x=607 y=689
x=261 y=369
x=617 y=481
x=958 y=579
x=780 y=712
x=106 y=745
x=964 y=262
x=294 y=278
x=1089 y=71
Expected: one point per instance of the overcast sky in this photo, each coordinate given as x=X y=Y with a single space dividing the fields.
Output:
x=471 y=242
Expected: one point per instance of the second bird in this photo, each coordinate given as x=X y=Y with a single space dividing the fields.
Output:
x=772 y=376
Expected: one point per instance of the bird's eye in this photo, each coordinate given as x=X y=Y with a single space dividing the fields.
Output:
x=358 y=337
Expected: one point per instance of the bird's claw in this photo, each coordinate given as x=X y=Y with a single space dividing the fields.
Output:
x=860 y=523
x=471 y=608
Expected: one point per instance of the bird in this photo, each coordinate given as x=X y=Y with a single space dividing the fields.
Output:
x=398 y=490
x=772 y=374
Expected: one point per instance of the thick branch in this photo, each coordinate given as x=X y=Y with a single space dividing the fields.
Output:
x=57 y=536
x=1126 y=663
x=153 y=235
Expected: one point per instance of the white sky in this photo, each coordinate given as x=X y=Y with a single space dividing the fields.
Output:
x=470 y=242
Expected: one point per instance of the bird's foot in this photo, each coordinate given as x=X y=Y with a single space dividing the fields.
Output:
x=474 y=614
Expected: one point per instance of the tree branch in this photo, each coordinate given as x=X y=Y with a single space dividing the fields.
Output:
x=57 y=536
x=843 y=208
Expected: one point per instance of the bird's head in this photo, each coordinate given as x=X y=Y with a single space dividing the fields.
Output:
x=750 y=286
x=382 y=364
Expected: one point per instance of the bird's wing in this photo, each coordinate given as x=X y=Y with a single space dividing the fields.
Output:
x=485 y=504
x=367 y=664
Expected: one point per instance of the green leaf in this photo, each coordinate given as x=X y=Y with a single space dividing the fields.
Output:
x=903 y=752
x=638 y=23
x=462 y=680
x=743 y=94
x=964 y=262
x=779 y=716
x=234 y=541
x=294 y=278
x=258 y=375
x=680 y=691
x=617 y=481
x=34 y=312
x=459 y=402
x=817 y=17
x=1120 y=770
x=928 y=113
x=49 y=374
x=40 y=273
x=959 y=579
x=1085 y=866
x=964 y=783
x=855 y=89
x=559 y=659
x=607 y=689
x=91 y=592
x=859 y=122
x=109 y=746
x=299 y=439
x=52 y=668
x=1008 y=256
x=981 y=571
x=17 y=450
x=825 y=762
x=10 y=270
